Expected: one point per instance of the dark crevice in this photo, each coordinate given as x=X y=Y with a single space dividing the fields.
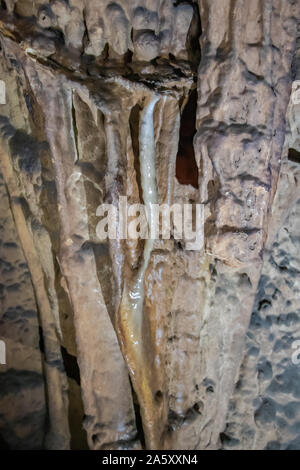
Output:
x=178 y=2
x=294 y=156
x=134 y=123
x=128 y=57
x=74 y=126
x=263 y=304
x=105 y=54
x=85 y=39
x=41 y=341
x=139 y=425
x=138 y=418
x=71 y=365
x=186 y=166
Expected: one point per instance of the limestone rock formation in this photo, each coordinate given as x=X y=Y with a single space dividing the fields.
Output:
x=264 y=411
x=129 y=344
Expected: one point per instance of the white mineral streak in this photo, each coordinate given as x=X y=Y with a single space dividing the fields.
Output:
x=148 y=181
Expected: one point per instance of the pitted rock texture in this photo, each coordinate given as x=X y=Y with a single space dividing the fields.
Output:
x=108 y=99
x=264 y=411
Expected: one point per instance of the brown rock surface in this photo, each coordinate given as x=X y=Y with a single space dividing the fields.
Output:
x=107 y=99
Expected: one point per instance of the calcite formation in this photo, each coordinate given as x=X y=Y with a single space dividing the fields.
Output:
x=130 y=344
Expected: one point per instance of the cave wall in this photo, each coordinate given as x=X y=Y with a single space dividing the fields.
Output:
x=98 y=93
x=264 y=410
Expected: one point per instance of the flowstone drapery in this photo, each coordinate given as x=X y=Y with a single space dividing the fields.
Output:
x=140 y=342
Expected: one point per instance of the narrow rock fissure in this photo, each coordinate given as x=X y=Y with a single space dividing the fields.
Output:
x=74 y=128
x=134 y=123
x=71 y=365
x=75 y=411
x=138 y=418
x=186 y=166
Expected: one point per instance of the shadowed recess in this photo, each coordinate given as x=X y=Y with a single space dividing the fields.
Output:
x=186 y=166
x=294 y=156
x=71 y=365
x=134 y=122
